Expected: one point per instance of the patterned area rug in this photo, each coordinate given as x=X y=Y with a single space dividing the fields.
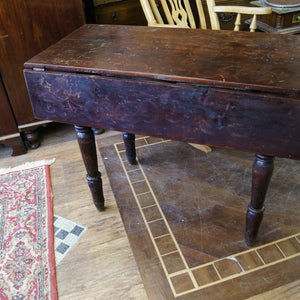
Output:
x=184 y=214
x=27 y=263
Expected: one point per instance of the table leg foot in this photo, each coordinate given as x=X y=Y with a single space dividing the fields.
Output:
x=129 y=141
x=261 y=175
x=86 y=141
x=95 y=185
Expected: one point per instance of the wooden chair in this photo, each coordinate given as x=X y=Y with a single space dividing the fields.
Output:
x=178 y=13
x=173 y=13
x=214 y=10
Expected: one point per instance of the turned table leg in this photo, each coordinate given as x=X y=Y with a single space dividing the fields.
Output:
x=129 y=141
x=32 y=138
x=86 y=141
x=261 y=174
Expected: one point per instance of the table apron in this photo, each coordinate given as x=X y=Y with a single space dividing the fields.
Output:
x=243 y=120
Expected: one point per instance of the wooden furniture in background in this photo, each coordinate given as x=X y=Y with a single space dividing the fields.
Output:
x=283 y=20
x=119 y=12
x=218 y=98
x=129 y=12
x=9 y=133
x=214 y=10
x=179 y=13
x=27 y=28
x=227 y=20
x=173 y=13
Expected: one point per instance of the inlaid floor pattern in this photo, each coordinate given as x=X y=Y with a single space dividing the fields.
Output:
x=67 y=233
x=187 y=266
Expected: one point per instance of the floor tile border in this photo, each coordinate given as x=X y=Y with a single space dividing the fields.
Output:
x=187 y=270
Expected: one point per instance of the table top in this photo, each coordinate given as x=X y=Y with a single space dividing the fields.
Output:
x=243 y=60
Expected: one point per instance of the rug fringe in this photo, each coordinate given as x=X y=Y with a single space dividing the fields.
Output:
x=27 y=165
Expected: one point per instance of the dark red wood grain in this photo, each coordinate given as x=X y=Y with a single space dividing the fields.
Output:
x=243 y=120
x=232 y=59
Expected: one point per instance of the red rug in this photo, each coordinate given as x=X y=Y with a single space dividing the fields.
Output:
x=27 y=262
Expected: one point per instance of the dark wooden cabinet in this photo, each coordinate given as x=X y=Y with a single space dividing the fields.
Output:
x=9 y=133
x=27 y=28
x=124 y=12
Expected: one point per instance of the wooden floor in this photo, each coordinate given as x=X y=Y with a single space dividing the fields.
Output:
x=101 y=265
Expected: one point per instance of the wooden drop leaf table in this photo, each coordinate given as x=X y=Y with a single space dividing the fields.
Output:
x=234 y=90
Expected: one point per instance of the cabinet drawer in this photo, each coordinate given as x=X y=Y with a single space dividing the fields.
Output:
x=121 y=12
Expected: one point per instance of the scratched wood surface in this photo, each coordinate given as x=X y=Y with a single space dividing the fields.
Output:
x=222 y=58
x=255 y=122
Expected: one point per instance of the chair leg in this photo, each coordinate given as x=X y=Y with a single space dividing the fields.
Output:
x=261 y=175
x=129 y=141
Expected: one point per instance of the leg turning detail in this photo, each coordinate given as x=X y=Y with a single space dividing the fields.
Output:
x=86 y=141
x=261 y=175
